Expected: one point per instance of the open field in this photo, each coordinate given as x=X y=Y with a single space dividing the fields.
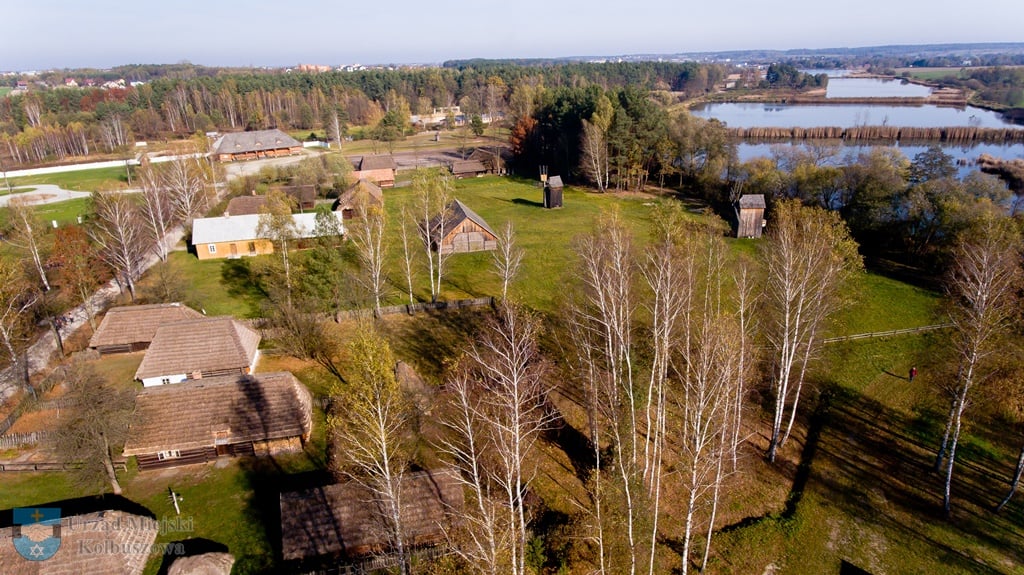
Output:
x=852 y=489
x=80 y=180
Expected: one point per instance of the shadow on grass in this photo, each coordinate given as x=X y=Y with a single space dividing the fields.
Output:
x=236 y=275
x=85 y=505
x=526 y=202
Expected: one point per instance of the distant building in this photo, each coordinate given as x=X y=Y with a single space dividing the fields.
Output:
x=378 y=169
x=253 y=145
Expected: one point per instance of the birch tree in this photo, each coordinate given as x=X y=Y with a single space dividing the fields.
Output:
x=507 y=258
x=16 y=299
x=983 y=285
x=808 y=257
x=185 y=180
x=433 y=191
x=369 y=235
x=157 y=209
x=277 y=225
x=594 y=143
x=117 y=230
x=506 y=362
x=29 y=235
x=405 y=222
x=369 y=430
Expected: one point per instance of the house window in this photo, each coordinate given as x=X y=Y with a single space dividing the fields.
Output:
x=169 y=454
x=165 y=380
x=212 y=248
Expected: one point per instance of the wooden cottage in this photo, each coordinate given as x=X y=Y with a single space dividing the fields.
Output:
x=468 y=169
x=494 y=160
x=335 y=520
x=459 y=229
x=199 y=421
x=303 y=195
x=750 y=216
x=362 y=194
x=83 y=543
x=198 y=348
x=254 y=145
x=131 y=328
x=232 y=237
x=553 y=192
x=378 y=169
x=245 y=205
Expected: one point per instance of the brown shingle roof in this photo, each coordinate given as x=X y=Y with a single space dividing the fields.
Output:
x=752 y=201
x=379 y=162
x=468 y=167
x=456 y=212
x=205 y=344
x=340 y=518
x=138 y=323
x=362 y=192
x=245 y=205
x=257 y=141
x=230 y=409
x=84 y=547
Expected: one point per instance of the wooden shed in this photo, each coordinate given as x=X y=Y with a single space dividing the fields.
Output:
x=198 y=348
x=750 y=216
x=553 y=192
x=379 y=169
x=468 y=169
x=131 y=328
x=336 y=521
x=198 y=421
x=459 y=229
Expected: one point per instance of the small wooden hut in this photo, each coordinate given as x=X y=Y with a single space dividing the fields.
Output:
x=553 y=192
x=359 y=196
x=459 y=229
x=468 y=169
x=750 y=216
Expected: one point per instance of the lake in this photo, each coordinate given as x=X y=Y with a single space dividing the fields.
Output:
x=839 y=88
x=748 y=151
x=763 y=115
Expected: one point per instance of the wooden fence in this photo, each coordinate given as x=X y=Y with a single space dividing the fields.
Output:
x=411 y=309
x=120 y=465
x=18 y=439
x=888 y=333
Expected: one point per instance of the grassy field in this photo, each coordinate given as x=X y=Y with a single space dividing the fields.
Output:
x=80 y=180
x=4 y=90
x=852 y=489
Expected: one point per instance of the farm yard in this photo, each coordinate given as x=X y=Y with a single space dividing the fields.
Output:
x=854 y=487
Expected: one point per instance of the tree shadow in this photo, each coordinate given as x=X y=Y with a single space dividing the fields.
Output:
x=83 y=506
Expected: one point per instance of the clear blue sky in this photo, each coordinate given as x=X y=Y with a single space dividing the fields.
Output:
x=42 y=34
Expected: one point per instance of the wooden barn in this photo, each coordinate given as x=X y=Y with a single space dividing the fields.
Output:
x=459 y=229
x=494 y=160
x=254 y=145
x=198 y=348
x=80 y=538
x=378 y=169
x=553 y=192
x=245 y=205
x=335 y=521
x=750 y=216
x=199 y=421
x=358 y=196
x=468 y=169
x=131 y=328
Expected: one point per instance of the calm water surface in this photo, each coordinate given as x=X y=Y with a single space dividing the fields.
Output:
x=761 y=115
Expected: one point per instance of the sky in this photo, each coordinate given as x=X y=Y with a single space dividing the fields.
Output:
x=46 y=34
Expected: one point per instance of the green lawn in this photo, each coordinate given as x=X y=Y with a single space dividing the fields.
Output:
x=4 y=90
x=66 y=212
x=80 y=180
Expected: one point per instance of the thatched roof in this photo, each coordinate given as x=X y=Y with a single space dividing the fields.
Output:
x=753 y=201
x=205 y=344
x=363 y=192
x=379 y=162
x=219 y=410
x=341 y=519
x=205 y=564
x=468 y=167
x=83 y=540
x=455 y=213
x=138 y=323
x=243 y=205
x=257 y=141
